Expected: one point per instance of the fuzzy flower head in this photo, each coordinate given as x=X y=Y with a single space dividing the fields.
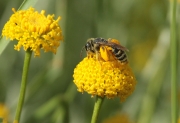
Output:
x=104 y=76
x=118 y=118
x=33 y=31
x=4 y=112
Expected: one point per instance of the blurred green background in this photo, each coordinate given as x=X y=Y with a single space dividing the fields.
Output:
x=140 y=25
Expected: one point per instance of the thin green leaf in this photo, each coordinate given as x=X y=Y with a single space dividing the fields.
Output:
x=27 y=3
x=3 y=43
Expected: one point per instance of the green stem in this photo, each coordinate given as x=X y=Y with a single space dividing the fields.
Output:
x=174 y=56
x=23 y=85
x=97 y=107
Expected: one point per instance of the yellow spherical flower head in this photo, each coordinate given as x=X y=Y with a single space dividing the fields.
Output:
x=33 y=31
x=104 y=76
x=118 y=118
x=4 y=113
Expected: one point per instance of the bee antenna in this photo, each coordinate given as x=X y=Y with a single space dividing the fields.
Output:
x=81 y=51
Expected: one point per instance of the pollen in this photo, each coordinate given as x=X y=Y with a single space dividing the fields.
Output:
x=33 y=31
x=104 y=78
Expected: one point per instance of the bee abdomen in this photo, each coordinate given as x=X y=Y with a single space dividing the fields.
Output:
x=120 y=55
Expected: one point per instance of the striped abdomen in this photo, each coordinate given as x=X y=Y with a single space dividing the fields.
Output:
x=120 y=54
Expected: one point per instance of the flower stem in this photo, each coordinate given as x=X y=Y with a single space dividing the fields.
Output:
x=97 y=107
x=23 y=85
x=174 y=56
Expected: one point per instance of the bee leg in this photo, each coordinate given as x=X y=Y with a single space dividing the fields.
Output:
x=98 y=57
x=89 y=55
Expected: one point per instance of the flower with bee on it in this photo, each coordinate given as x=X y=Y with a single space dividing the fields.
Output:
x=112 y=77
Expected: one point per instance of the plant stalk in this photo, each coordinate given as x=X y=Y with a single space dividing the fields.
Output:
x=97 y=107
x=23 y=86
x=174 y=56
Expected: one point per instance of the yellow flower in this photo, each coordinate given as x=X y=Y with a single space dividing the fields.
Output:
x=4 y=113
x=119 y=118
x=104 y=78
x=33 y=31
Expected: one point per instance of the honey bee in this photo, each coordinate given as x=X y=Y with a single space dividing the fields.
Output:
x=94 y=45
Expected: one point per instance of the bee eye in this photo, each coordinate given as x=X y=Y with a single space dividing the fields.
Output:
x=87 y=45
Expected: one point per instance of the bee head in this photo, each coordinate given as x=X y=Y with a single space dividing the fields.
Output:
x=88 y=46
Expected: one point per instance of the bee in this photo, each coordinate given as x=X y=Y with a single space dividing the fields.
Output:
x=95 y=45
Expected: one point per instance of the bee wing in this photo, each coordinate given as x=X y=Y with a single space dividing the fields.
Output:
x=113 y=45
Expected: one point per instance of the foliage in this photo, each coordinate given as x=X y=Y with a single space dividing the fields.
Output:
x=141 y=25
